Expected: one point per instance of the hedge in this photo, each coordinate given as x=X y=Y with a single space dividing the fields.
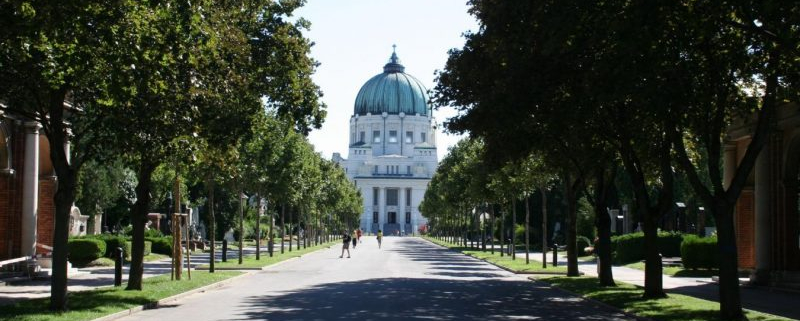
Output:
x=161 y=245
x=86 y=249
x=629 y=248
x=699 y=252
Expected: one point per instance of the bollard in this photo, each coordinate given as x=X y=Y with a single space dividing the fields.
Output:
x=555 y=254
x=118 y=267
x=224 y=250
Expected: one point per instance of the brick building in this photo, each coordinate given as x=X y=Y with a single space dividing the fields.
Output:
x=27 y=186
x=767 y=214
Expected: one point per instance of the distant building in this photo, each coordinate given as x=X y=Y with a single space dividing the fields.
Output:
x=392 y=154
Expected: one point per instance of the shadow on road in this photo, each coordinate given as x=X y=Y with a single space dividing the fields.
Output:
x=437 y=299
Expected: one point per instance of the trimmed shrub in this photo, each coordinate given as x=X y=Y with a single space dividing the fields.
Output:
x=153 y=233
x=148 y=247
x=629 y=248
x=112 y=243
x=86 y=249
x=583 y=242
x=115 y=241
x=519 y=234
x=699 y=252
x=161 y=245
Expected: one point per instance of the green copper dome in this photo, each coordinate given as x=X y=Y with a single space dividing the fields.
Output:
x=393 y=92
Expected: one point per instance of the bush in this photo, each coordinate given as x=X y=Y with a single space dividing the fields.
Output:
x=699 y=252
x=519 y=234
x=112 y=243
x=85 y=249
x=153 y=233
x=148 y=247
x=583 y=243
x=629 y=248
x=161 y=245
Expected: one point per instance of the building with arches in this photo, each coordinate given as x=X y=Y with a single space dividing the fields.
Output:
x=767 y=216
x=27 y=186
x=392 y=153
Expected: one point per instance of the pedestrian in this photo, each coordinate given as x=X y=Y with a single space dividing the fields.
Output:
x=355 y=239
x=380 y=238
x=358 y=234
x=345 y=244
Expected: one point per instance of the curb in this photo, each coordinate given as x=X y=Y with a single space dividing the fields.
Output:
x=178 y=296
x=598 y=303
x=500 y=266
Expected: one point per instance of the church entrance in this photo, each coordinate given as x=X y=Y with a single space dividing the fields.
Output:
x=392 y=218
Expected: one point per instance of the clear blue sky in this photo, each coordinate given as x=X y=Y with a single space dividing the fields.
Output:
x=353 y=40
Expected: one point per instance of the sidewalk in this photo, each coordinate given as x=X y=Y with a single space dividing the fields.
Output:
x=97 y=277
x=767 y=300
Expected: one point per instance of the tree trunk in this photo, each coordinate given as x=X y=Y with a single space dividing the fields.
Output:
x=602 y=221
x=513 y=244
x=527 y=231
x=730 y=302
x=544 y=226
x=66 y=172
x=211 y=228
x=502 y=233
x=258 y=228
x=138 y=220
x=271 y=239
x=572 y=227
x=653 y=277
x=491 y=229
x=241 y=226
x=603 y=224
x=64 y=198
x=283 y=225
x=291 y=234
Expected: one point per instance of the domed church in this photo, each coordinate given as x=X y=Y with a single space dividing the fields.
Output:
x=392 y=154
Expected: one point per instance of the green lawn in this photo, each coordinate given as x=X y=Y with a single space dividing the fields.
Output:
x=628 y=297
x=88 y=305
x=518 y=265
x=250 y=262
x=678 y=271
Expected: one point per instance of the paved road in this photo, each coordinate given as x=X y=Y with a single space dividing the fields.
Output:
x=408 y=278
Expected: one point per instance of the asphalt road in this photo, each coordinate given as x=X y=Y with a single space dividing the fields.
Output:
x=409 y=278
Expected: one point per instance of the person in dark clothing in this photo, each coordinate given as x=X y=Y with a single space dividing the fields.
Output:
x=345 y=244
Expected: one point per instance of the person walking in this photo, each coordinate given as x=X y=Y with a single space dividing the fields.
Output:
x=358 y=234
x=345 y=244
x=380 y=238
x=355 y=239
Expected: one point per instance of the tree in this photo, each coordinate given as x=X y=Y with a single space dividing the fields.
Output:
x=54 y=71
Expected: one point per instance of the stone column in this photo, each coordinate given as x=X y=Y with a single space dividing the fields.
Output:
x=30 y=189
x=382 y=215
x=763 y=217
x=401 y=200
x=729 y=163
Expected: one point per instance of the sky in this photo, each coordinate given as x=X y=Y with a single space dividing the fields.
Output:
x=353 y=40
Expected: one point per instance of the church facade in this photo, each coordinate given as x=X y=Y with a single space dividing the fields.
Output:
x=392 y=153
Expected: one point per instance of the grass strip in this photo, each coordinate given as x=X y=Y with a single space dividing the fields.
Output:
x=628 y=297
x=516 y=266
x=89 y=305
x=679 y=271
x=250 y=262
